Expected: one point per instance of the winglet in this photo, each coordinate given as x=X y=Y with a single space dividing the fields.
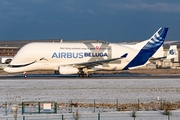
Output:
x=125 y=55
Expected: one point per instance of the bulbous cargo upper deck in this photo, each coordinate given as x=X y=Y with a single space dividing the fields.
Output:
x=73 y=53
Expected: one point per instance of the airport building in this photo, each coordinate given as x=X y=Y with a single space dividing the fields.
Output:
x=174 y=62
x=7 y=54
x=9 y=48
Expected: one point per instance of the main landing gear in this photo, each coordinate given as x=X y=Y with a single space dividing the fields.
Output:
x=84 y=73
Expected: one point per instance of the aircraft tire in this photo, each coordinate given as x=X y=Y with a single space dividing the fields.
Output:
x=25 y=76
x=85 y=75
x=81 y=75
x=90 y=75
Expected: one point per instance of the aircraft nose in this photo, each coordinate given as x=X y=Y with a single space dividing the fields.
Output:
x=9 y=69
x=6 y=69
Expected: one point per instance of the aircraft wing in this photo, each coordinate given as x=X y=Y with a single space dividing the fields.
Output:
x=96 y=63
x=161 y=58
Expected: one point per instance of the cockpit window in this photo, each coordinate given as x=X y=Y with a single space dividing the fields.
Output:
x=16 y=66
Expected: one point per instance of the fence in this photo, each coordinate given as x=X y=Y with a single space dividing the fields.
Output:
x=126 y=115
x=92 y=106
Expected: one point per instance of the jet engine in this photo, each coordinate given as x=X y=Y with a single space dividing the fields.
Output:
x=68 y=70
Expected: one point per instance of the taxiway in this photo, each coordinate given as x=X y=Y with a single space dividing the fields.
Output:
x=106 y=76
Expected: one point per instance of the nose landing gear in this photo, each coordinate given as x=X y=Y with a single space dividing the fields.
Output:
x=25 y=75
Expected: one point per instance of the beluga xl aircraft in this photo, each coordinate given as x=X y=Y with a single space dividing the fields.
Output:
x=84 y=58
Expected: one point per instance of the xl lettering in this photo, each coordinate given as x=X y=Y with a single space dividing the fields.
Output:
x=101 y=49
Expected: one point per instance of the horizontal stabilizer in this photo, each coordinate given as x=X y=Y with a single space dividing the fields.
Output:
x=159 y=58
x=124 y=56
x=172 y=53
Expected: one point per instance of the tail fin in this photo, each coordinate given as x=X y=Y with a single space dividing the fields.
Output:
x=153 y=43
x=156 y=40
x=149 y=48
x=172 y=53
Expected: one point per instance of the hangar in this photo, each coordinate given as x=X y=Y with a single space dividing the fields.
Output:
x=9 y=48
x=175 y=62
x=7 y=54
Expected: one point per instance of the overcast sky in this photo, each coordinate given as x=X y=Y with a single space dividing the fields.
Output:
x=112 y=20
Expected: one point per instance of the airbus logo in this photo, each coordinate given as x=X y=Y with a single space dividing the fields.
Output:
x=77 y=55
x=97 y=47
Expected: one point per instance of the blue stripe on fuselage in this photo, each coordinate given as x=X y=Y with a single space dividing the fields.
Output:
x=140 y=59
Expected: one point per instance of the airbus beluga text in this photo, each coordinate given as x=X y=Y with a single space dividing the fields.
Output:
x=82 y=58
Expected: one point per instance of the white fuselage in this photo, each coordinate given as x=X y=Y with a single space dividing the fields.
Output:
x=80 y=58
x=49 y=56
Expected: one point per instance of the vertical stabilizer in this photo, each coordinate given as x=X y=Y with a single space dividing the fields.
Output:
x=172 y=53
x=149 y=48
x=156 y=41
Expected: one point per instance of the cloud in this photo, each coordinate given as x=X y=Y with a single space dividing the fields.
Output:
x=35 y=1
x=160 y=6
x=6 y=2
x=69 y=9
x=90 y=11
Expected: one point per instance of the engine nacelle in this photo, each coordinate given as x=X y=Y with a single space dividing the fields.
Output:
x=68 y=70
